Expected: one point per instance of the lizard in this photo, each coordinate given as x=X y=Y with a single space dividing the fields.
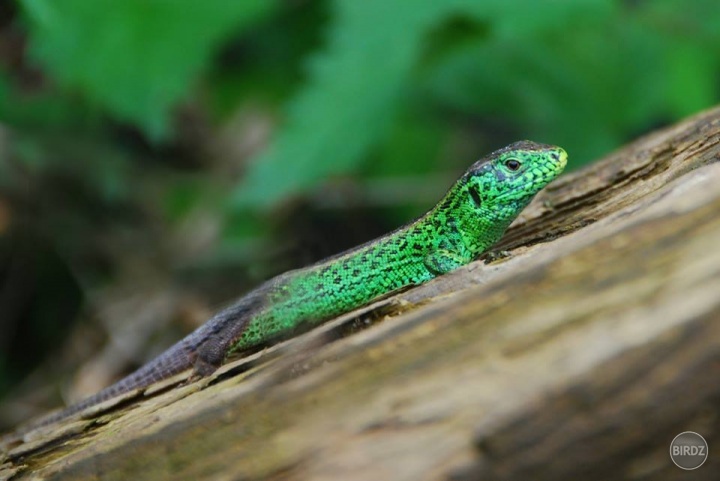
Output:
x=466 y=222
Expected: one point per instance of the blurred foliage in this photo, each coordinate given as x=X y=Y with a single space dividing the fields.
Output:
x=135 y=58
x=124 y=123
x=585 y=74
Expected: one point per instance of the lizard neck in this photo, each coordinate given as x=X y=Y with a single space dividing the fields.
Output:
x=462 y=226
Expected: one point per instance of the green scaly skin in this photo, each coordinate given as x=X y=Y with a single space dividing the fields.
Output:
x=471 y=217
x=452 y=234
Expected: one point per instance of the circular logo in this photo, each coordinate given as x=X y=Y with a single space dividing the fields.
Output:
x=688 y=450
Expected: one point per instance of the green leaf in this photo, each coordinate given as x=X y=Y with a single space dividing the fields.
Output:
x=136 y=58
x=358 y=83
x=614 y=74
x=351 y=98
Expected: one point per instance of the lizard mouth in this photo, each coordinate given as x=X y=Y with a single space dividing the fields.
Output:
x=561 y=159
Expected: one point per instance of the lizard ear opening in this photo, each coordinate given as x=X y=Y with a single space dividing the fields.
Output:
x=475 y=195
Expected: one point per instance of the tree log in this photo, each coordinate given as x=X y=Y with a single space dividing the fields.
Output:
x=579 y=356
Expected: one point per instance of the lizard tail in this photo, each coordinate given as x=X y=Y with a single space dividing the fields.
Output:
x=173 y=361
x=203 y=350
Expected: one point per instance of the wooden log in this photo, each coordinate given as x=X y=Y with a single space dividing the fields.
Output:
x=580 y=356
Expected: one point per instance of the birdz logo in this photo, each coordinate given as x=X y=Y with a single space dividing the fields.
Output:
x=688 y=450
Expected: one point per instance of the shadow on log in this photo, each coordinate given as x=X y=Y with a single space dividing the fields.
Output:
x=580 y=356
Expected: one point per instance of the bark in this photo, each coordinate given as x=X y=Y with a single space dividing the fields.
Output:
x=580 y=356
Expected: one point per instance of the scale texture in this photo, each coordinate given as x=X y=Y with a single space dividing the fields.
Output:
x=471 y=217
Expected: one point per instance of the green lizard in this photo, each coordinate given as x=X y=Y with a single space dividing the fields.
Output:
x=471 y=217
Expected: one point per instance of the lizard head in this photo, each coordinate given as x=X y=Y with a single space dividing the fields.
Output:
x=503 y=183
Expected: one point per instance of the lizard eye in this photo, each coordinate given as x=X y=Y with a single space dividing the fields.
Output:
x=475 y=195
x=513 y=164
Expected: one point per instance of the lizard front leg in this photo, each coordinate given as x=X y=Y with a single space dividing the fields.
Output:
x=447 y=257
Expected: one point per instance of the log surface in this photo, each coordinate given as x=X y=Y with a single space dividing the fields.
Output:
x=580 y=356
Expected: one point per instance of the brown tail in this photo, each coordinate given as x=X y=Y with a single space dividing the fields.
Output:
x=204 y=349
x=173 y=361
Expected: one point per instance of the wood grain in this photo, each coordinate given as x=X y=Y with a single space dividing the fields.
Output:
x=579 y=357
